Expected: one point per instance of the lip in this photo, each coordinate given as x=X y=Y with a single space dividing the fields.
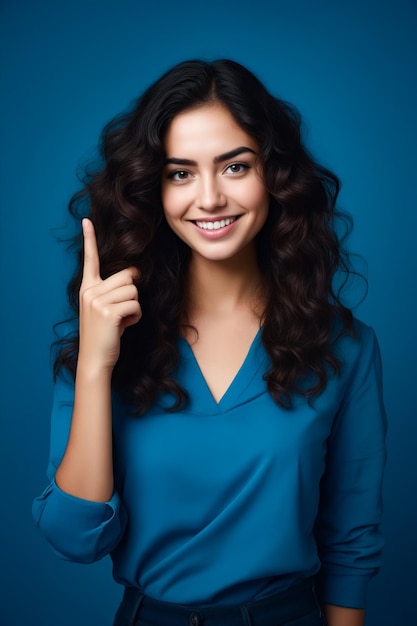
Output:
x=218 y=233
x=216 y=218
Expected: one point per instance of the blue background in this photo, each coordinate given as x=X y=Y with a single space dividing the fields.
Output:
x=67 y=68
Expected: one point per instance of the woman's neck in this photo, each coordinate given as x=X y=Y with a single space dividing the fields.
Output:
x=223 y=287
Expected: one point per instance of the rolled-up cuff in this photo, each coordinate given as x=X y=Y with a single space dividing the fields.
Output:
x=345 y=590
x=79 y=530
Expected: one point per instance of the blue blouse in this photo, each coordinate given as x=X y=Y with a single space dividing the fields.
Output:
x=232 y=501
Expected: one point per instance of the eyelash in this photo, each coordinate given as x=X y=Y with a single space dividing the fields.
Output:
x=244 y=167
x=172 y=175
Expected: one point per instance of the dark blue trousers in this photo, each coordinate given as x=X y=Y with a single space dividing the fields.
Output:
x=296 y=606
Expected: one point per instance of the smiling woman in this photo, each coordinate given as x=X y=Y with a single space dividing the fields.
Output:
x=208 y=428
x=218 y=204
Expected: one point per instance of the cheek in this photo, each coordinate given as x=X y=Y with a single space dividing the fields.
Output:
x=259 y=202
x=169 y=204
x=175 y=201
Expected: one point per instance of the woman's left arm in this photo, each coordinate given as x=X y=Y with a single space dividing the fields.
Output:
x=348 y=522
x=341 y=616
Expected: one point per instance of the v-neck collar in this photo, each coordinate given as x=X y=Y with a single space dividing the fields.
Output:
x=201 y=398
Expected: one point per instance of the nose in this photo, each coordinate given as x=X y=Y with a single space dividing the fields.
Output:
x=210 y=195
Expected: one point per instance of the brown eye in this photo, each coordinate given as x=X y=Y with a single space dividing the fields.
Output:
x=178 y=175
x=237 y=168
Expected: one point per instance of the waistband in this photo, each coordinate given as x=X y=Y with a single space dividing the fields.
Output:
x=291 y=604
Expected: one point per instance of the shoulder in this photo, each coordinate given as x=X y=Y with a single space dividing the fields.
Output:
x=360 y=365
x=350 y=345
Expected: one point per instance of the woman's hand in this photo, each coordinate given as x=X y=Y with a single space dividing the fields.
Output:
x=107 y=307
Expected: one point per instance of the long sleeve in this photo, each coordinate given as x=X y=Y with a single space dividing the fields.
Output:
x=347 y=527
x=77 y=529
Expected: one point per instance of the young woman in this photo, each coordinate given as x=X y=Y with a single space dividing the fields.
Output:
x=218 y=424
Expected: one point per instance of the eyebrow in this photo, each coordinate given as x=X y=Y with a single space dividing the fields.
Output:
x=218 y=159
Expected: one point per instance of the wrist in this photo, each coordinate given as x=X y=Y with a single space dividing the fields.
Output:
x=342 y=616
x=92 y=371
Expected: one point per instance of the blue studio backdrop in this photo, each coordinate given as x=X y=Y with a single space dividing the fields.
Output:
x=70 y=66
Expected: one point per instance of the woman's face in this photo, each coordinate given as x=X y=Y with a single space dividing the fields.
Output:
x=213 y=195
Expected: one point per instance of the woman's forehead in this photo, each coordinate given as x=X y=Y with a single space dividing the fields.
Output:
x=210 y=128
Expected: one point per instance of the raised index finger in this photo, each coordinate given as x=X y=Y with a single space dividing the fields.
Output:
x=91 y=268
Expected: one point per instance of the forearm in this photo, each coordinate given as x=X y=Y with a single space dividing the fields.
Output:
x=86 y=470
x=341 y=616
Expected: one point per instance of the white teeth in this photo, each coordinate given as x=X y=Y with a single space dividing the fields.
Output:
x=216 y=225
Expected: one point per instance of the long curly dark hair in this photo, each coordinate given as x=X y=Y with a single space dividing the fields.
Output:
x=299 y=250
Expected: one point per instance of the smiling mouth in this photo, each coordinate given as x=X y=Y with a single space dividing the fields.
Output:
x=216 y=224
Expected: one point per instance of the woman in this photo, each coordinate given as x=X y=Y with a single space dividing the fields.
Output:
x=222 y=435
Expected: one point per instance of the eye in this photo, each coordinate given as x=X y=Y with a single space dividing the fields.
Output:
x=178 y=175
x=236 y=168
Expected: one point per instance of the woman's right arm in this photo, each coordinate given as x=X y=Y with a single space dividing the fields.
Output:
x=107 y=308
